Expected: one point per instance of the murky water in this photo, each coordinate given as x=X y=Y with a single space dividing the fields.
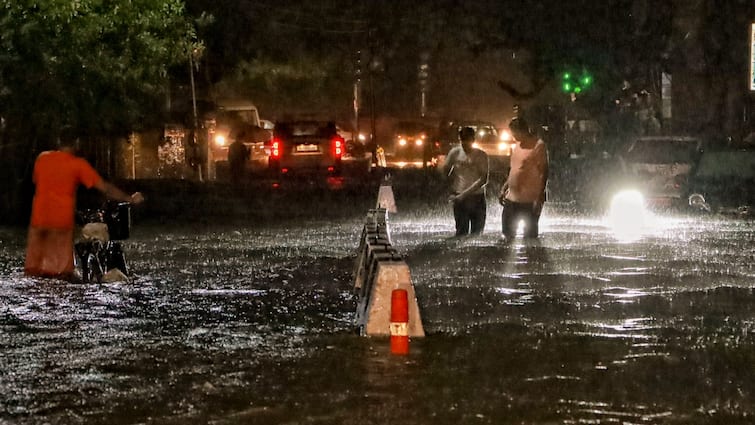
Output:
x=243 y=324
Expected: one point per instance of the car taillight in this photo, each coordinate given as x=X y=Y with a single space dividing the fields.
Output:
x=338 y=143
x=679 y=181
x=275 y=148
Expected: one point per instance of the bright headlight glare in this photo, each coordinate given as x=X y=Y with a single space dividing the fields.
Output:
x=627 y=216
x=418 y=142
x=220 y=140
x=402 y=141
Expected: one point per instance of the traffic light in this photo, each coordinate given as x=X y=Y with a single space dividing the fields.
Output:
x=576 y=83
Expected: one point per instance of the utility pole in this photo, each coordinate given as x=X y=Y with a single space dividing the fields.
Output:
x=357 y=87
x=422 y=75
x=373 y=65
x=194 y=110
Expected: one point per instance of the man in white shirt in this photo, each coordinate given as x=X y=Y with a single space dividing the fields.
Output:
x=468 y=169
x=523 y=194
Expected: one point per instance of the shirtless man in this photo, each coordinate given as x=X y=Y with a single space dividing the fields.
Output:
x=523 y=194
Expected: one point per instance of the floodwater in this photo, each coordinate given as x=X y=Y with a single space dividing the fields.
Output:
x=229 y=324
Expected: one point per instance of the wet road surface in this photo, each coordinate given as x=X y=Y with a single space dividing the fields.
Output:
x=242 y=324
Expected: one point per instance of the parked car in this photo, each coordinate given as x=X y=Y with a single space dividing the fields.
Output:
x=659 y=167
x=231 y=119
x=357 y=156
x=497 y=144
x=410 y=145
x=306 y=146
x=724 y=183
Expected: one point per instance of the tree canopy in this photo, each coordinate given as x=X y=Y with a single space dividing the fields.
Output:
x=305 y=50
x=99 y=65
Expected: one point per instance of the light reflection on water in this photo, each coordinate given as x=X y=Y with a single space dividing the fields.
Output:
x=255 y=325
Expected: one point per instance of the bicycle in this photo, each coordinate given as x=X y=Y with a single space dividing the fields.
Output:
x=98 y=255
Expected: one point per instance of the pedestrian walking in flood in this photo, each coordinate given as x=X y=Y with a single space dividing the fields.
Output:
x=57 y=175
x=523 y=194
x=238 y=155
x=468 y=170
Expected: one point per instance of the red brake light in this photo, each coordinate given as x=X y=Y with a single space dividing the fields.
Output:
x=679 y=181
x=338 y=143
x=275 y=148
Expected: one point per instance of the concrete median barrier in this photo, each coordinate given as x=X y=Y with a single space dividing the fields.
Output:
x=379 y=269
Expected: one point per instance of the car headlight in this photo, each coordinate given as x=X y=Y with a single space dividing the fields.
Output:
x=220 y=139
x=627 y=216
x=402 y=142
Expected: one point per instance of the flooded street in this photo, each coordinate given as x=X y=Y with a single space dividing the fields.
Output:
x=254 y=324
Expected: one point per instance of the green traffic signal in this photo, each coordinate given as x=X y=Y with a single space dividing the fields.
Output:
x=576 y=86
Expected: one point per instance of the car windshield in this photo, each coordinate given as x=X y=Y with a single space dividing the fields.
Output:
x=654 y=151
x=239 y=117
x=235 y=118
x=306 y=129
x=483 y=133
x=410 y=128
x=739 y=164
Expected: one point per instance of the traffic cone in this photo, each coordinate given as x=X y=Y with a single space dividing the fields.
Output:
x=399 y=322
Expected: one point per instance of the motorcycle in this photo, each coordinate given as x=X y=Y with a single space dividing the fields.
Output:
x=98 y=255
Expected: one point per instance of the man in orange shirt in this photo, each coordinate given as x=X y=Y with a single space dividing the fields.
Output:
x=523 y=194
x=57 y=175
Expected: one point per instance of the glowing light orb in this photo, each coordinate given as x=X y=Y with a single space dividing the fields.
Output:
x=627 y=216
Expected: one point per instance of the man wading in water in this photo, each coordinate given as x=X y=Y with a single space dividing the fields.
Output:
x=57 y=174
x=523 y=193
x=468 y=169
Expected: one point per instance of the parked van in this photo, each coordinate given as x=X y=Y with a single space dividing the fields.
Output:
x=231 y=119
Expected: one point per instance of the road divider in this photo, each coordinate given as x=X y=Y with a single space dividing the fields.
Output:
x=385 y=197
x=378 y=271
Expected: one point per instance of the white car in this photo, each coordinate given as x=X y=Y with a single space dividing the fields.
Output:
x=660 y=168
